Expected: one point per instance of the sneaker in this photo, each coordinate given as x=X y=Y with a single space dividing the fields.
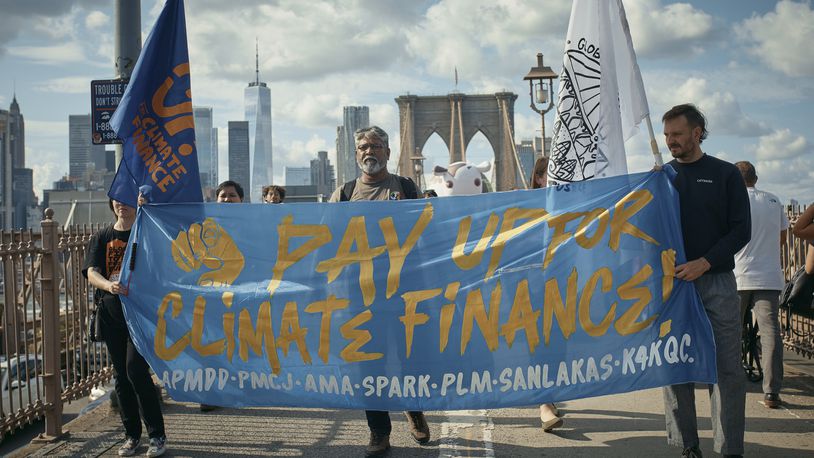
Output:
x=158 y=445
x=771 y=400
x=129 y=447
x=418 y=426
x=692 y=452
x=379 y=444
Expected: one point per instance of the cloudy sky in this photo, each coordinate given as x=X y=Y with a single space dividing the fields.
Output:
x=749 y=64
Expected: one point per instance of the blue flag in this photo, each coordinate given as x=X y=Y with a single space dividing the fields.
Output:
x=465 y=302
x=155 y=120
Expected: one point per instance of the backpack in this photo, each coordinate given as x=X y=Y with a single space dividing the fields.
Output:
x=407 y=185
x=798 y=293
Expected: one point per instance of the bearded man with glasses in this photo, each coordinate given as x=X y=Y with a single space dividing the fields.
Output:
x=376 y=183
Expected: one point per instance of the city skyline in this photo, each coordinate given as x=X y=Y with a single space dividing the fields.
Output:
x=744 y=63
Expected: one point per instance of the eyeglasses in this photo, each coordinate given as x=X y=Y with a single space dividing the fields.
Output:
x=370 y=146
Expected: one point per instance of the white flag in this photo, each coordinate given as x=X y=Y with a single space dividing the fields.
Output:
x=601 y=94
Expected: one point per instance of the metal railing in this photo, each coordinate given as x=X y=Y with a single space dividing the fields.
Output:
x=798 y=331
x=46 y=359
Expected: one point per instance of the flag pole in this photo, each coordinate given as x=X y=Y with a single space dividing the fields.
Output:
x=654 y=147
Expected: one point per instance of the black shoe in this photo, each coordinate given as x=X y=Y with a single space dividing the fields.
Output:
x=379 y=444
x=692 y=452
x=772 y=400
x=418 y=426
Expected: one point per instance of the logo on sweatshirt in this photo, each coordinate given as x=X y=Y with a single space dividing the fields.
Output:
x=704 y=180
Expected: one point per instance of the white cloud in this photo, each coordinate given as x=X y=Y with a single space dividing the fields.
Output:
x=722 y=109
x=97 y=20
x=386 y=116
x=313 y=110
x=67 y=85
x=528 y=125
x=299 y=153
x=58 y=54
x=299 y=46
x=45 y=174
x=782 y=38
x=49 y=158
x=486 y=37
x=781 y=144
x=787 y=178
x=22 y=15
x=678 y=29
x=59 y=27
x=39 y=129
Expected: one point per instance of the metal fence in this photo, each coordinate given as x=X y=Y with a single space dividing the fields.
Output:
x=46 y=359
x=798 y=331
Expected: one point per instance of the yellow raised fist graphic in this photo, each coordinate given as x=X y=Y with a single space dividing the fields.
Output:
x=208 y=244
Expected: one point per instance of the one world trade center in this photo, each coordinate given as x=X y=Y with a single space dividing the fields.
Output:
x=257 y=100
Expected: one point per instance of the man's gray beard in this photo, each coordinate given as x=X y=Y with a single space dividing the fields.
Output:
x=371 y=167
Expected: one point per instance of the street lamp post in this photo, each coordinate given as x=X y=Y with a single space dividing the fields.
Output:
x=541 y=92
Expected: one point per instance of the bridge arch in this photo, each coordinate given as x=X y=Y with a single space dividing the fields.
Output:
x=457 y=118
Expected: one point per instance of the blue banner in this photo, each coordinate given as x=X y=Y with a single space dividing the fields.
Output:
x=154 y=119
x=494 y=300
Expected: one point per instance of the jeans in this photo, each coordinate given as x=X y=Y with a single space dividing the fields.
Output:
x=719 y=296
x=134 y=386
x=765 y=307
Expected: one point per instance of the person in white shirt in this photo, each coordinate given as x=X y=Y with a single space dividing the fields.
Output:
x=760 y=278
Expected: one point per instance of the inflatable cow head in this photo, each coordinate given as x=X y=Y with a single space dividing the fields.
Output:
x=461 y=179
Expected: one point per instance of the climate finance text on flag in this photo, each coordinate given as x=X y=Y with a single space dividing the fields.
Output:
x=601 y=95
x=154 y=119
x=466 y=302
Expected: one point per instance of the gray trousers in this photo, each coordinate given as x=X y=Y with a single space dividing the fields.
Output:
x=764 y=303
x=728 y=397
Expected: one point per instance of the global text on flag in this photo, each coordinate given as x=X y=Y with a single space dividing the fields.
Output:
x=601 y=95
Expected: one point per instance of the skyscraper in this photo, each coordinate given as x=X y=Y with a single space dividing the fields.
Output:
x=207 y=158
x=81 y=150
x=525 y=152
x=17 y=188
x=353 y=118
x=16 y=129
x=215 y=157
x=322 y=174
x=6 y=171
x=22 y=196
x=239 y=155
x=257 y=100
x=298 y=176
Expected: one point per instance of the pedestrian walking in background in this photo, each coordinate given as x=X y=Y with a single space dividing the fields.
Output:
x=760 y=278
